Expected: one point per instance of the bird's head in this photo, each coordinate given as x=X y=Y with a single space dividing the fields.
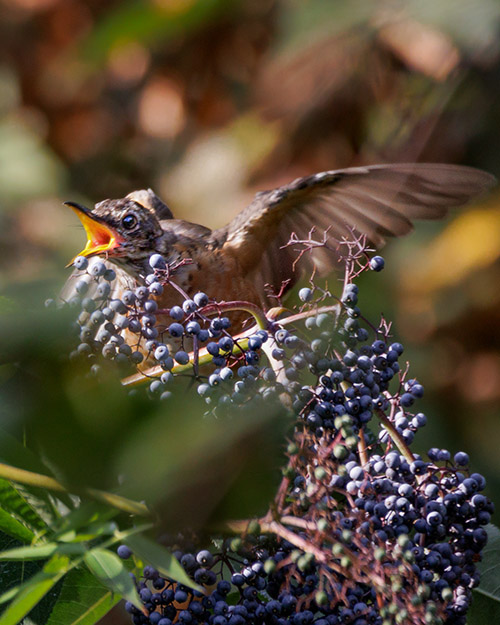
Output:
x=125 y=228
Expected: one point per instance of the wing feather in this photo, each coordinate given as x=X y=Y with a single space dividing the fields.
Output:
x=380 y=201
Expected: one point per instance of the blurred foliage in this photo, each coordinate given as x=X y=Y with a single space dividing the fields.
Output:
x=86 y=430
x=132 y=463
x=208 y=101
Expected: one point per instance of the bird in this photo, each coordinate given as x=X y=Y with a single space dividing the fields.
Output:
x=249 y=259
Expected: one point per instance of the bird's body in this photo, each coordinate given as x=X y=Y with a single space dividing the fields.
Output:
x=248 y=258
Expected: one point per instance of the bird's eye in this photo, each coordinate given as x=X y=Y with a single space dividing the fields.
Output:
x=129 y=221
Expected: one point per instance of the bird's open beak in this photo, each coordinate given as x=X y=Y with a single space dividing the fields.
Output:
x=101 y=237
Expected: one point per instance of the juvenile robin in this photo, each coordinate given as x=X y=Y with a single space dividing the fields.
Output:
x=236 y=262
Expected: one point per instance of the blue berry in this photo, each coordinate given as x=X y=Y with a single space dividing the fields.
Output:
x=212 y=349
x=124 y=552
x=226 y=373
x=177 y=313
x=280 y=336
x=193 y=328
x=181 y=357
x=155 y=386
x=156 y=289
x=203 y=335
x=81 y=287
x=109 y=275
x=406 y=400
x=81 y=263
x=150 y=306
x=156 y=261
x=277 y=353
x=377 y=263
x=161 y=352
x=96 y=268
x=305 y=294
x=189 y=306
x=254 y=342
x=226 y=343
x=176 y=330
x=205 y=558
x=461 y=459
x=200 y=299
x=136 y=357
x=118 y=306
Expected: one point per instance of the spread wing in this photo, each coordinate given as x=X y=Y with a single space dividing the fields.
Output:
x=379 y=201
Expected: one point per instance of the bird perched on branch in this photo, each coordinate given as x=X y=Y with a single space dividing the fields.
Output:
x=236 y=262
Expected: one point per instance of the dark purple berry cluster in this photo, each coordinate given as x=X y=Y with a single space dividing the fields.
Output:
x=128 y=327
x=362 y=529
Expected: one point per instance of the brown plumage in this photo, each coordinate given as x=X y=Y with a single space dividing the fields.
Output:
x=237 y=261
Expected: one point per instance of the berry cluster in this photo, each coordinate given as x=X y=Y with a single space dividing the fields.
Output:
x=128 y=327
x=266 y=581
x=362 y=530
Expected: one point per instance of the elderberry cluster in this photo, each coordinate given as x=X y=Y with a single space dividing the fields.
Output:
x=247 y=588
x=363 y=530
x=126 y=325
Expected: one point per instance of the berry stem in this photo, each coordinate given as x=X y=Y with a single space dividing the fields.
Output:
x=363 y=453
x=278 y=529
x=310 y=313
x=395 y=436
x=256 y=312
x=203 y=358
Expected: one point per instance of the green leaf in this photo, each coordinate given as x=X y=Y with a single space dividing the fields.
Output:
x=32 y=592
x=14 y=528
x=15 y=454
x=485 y=606
x=90 y=518
x=13 y=574
x=40 y=552
x=13 y=501
x=34 y=552
x=233 y=597
x=83 y=600
x=160 y=558
x=483 y=609
x=110 y=571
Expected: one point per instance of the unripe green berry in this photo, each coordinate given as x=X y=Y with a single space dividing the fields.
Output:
x=322 y=525
x=345 y=562
x=379 y=553
x=340 y=452
x=236 y=544
x=346 y=536
x=320 y=474
x=295 y=555
x=338 y=549
x=409 y=556
x=447 y=594
x=321 y=598
x=351 y=442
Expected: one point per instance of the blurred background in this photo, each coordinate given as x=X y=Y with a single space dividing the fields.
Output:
x=208 y=101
